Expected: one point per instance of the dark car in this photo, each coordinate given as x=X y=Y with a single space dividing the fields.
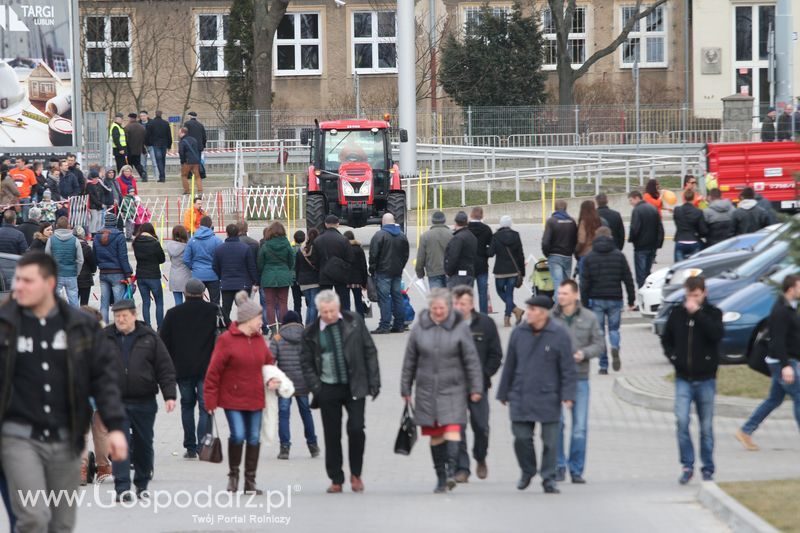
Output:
x=711 y=264
x=768 y=262
x=745 y=314
x=8 y=266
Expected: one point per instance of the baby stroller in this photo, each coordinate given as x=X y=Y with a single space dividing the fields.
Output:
x=541 y=280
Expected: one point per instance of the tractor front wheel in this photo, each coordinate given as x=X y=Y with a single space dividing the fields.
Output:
x=396 y=205
x=315 y=211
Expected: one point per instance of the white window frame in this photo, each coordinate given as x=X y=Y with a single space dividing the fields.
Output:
x=501 y=9
x=581 y=36
x=298 y=42
x=642 y=34
x=374 y=41
x=218 y=43
x=107 y=45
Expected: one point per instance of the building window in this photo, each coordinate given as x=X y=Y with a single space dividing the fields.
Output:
x=108 y=46
x=647 y=39
x=472 y=15
x=297 y=45
x=212 y=34
x=374 y=38
x=576 y=40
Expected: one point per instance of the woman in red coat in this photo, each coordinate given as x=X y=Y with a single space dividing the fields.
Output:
x=234 y=382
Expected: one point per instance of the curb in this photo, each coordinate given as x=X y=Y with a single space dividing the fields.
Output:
x=735 y=515
x=724 y=406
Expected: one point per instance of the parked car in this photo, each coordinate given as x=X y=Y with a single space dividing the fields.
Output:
x=768 y=262
x=652 y=292
x=745 y=314
x=714 y=264
x=8 y=266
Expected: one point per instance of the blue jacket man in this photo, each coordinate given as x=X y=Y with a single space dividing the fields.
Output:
x=235 y=266
x=111 y=256
x=388 y=254
x=199 y=257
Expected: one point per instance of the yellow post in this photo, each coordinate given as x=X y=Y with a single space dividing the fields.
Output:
x=286 y=207
x=419 y=207
x=553 y=203
x=544 y=201
x=294 y=200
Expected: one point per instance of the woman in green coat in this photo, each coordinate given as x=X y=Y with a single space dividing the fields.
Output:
x=276 y=266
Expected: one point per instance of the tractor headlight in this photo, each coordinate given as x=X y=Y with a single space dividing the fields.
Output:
x=347 y=188
x=365 y=188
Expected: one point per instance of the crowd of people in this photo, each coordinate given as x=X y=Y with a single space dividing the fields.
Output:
x=231 y=341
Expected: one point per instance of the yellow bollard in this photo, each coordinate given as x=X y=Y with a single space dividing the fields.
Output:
x=286 y=207
x=544 y=201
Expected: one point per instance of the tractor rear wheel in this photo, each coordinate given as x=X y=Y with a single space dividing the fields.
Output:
x=315 y=211
x=396 y=205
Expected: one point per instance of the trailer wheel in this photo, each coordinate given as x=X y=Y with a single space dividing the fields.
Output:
x=396 y=205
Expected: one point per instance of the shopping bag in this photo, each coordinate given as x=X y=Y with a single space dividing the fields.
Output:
x=211 y=447
x=407 y=434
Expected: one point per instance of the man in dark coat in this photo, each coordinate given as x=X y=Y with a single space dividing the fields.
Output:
x=333 y=256
x=189 y=333
x=198 y=132
x=159 y=137
x=12 y=241
x=538 y=377
x=768 y=126
x=189 y=156
x=719 y=218
x=235 y=265
x=388 y=254
x=31 y=225
x=68 y=183
x=135 y=133
x=690 y=228
x=558 y=243
x=340 y=367
x=612 y=219
x=748 y=216
x=490 y=352
x=460 y=254
x=483 y=234
x=785 y=131
x=646 y=234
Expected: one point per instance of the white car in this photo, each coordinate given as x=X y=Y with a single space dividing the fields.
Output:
x=649 y=296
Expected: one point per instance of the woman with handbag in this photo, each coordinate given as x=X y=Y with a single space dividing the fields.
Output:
x=276 y=266
x=234 y=382
x=509 y=267
x=442 y=361
x=307 y=274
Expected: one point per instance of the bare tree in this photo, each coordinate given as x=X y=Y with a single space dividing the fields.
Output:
x=267 y=16
x=563 y=12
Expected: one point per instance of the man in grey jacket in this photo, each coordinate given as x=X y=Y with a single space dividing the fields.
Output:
x=430 y=254
x=538 y=376
x=588 y=342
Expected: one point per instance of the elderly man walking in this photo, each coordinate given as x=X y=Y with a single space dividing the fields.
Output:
x=430 y=254
x=538 y=376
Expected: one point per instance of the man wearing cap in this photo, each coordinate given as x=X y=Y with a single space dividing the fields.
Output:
x=144 y=366
x=768 y=126
x=430 y=254
x=333 y=256
x=460 y=254
x=538 y=377
x=196 y=130
x=189 y=332
x=119 y=143
x=135 y=135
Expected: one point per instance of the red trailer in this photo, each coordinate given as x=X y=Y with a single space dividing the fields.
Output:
x=771 y=169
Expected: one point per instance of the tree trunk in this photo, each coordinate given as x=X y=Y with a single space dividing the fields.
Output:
x=565 y=84
x=267 y=15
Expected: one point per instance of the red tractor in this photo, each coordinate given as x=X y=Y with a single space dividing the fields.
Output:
x=352 y=174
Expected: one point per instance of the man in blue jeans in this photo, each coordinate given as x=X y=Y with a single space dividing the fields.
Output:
x=784 y=352
x=189 y=333
x=430 y=253
x=605 y=270
x=111 y=256
x=68 y=254
x=691 y=342
x=388 y=254
x=646 y=234
x=483 y=234
x=558 y=243
x=588 y=342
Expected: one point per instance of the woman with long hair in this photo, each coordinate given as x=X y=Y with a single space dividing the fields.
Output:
x=588 y=222
x=652 y=194
x=307 y=274
x=149 y=258
x=179 y=273
x=276 y=266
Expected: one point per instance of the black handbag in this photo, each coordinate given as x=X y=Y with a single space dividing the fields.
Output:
x=520 y=275
x=760 y=350
x=407 y=434
x=372 y=289
x=211 y=447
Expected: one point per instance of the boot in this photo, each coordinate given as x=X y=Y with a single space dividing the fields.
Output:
x=439 y=454
x=250 y=465
x=284 y=453
x=452 y=463
x=518 y=313
x=507 y=321
x=234 y=460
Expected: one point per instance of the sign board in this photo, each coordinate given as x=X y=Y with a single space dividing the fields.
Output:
x=773 y=172
x=39 y=76
x=175 y=119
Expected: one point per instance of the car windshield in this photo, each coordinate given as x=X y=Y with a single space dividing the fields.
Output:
x=772 y=237
x=742 y=242
x=763 y=260
x=351 y=146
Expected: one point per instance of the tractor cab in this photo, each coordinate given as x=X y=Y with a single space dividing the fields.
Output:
x=352 y=174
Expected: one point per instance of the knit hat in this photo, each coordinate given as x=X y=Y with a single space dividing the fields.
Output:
x=505 y=221
x=461 y=218
x=194 y=287
x=246 y=309
x=35 y=214
x=80 y=232
x=111 y=219
x=47 y=194
x=291 y=317
x=438 y=217
x=93 y=174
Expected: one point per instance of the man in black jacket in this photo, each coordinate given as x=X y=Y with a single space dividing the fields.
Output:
x=31 y=226
x=558 y=243
x=159 y=136
x=54 y=359
x=460 y=254
x=388 y=255
x=12 y=241
x=189 y=156
x=333 y=256
x=483 y=234
x=189 y=333
x=719 y=218
x=605 y=270
x=198 y=131
x=749 y=217
x=135 y=134
x=490 y=352
x=144 y=365
x=690 y=227
x=612 y=219
x=340 y=367
x=691 y=342
x=646 y=235
x=784 y=352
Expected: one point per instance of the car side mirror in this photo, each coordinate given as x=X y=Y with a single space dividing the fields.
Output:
x=403 y=136
x=304 y=137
